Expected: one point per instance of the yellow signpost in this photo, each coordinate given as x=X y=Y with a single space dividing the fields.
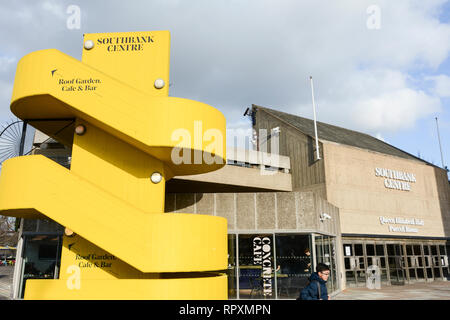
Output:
x=129 y=137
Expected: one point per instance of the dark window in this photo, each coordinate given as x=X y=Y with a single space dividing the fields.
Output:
x=370 y=249
x=251 y=265
x=437 y=273
x=420 y=274
x=294 y=264
x=390 y=250
x=347 y=263
x=361 y=263
x=409 y=250
x=380 y=250
x=47 y=251
x=358 y=250
x=231 y=270
x=41 y=258
x=434 y=250
x=417 y=251
x=383 y=262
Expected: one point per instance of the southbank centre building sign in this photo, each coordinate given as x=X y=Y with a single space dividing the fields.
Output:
x=396 y=179
x=118 y=242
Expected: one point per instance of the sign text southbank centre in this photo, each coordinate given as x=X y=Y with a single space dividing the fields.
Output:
x=396 y=179
x=125 y=43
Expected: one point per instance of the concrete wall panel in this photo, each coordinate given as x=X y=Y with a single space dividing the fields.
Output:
x=265 y=210
x=286 y=210
x=245 y=211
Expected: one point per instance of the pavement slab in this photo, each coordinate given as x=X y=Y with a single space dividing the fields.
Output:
x=438 y=290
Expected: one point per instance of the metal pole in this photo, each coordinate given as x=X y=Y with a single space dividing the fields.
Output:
x=315 y=123
x=19 y=266
x=439 y=139
x=22 y=139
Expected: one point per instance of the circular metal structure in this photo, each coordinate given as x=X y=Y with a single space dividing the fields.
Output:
x=10 y=139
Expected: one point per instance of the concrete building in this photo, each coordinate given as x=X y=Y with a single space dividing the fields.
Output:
x=365 y=208
x=394 y=207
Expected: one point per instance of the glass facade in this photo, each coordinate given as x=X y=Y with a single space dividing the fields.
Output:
x=40 y=258
x=276 y=266
x=260 y=266
x=231 y=270
x=255 y=269
x=294 y=264
x=399 y=262
x=266 y=265
x=326 y=254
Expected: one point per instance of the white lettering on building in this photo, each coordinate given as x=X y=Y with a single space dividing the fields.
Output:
x=404 y=222
x=394 y=179
x=262 y=255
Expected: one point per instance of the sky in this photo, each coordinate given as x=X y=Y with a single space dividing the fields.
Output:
x=379 y=67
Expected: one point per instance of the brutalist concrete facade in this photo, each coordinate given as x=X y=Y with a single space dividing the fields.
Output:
x=260 y=211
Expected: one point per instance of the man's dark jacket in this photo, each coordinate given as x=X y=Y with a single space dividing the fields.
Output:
x=311 y=292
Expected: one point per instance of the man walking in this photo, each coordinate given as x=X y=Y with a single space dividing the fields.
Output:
x=317 y=288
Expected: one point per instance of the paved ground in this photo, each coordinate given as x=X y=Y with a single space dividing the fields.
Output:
x=6 y=275
x=439 y=290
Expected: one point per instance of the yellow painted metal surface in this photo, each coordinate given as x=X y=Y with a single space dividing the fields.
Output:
x=159 y=289
x=125 y=246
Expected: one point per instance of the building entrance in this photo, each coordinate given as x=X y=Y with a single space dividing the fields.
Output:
x=398 y=262
x=40 y=258
x=277 y=265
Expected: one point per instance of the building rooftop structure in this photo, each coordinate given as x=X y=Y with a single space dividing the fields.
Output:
x=340 y=135
x=246 y=171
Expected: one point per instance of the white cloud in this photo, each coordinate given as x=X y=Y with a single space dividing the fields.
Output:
x=6 y=63
x=7 y=67
x=376 y=101
x=5 y=100
x=233 y=53
x=55 y=8
x=441 y=85
x=396 y=110
x=410 y=34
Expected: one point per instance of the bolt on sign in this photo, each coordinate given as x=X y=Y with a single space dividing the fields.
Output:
x=119 y=243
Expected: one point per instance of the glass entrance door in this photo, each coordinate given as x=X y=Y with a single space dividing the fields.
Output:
x=396 y=264
x=326 y=254
x=293 y=264
x=40 y=258
x=256 y=266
